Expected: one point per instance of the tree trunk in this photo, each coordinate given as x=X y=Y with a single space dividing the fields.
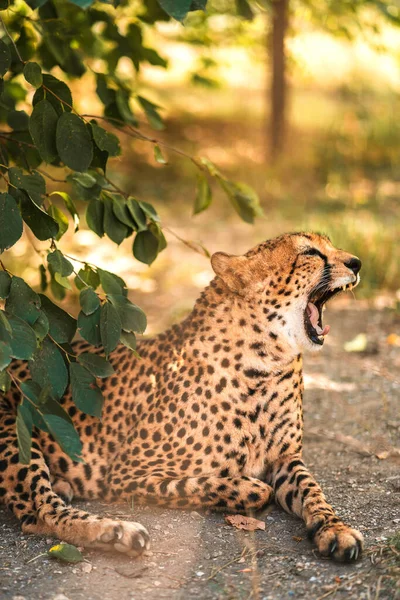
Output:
x=278 y=84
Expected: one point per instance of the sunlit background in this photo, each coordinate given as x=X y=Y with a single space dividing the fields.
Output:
x=339 y=171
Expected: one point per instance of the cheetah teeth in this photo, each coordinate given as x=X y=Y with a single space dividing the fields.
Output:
x=348 y=286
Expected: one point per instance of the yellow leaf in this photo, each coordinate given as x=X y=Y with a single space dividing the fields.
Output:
x=393 y=339
x=357 y=344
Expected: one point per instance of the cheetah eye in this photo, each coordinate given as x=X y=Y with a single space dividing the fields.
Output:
x=312 y=252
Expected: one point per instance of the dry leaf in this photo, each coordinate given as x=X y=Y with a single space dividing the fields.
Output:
x=296 y=538
x=393 y=339
x=245 y=523
x=357 y=344
x=245 y=570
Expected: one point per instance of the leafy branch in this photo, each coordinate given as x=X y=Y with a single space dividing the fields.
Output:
x=51 y=131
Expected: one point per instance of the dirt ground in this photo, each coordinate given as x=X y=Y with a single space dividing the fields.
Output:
x=352 y=415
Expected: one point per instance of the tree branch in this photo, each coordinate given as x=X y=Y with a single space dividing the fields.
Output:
x=11 y=40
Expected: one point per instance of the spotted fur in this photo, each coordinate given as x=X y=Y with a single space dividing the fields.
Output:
x=209 y=416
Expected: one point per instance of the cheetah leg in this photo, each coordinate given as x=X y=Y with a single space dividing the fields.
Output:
x=234 y=494
x=27 y=491
x=297 y=492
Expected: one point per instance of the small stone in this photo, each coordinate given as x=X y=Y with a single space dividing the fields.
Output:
x=199 y=573
x=60 y=597
x=195 y=514
x=157 y=527
x=86 y=567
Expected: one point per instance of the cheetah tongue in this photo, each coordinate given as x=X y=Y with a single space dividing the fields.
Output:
x=313 y=315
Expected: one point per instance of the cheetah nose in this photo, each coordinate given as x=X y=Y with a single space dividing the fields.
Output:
x=354 y=264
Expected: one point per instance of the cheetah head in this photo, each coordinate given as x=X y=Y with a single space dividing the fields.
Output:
x=286 y=282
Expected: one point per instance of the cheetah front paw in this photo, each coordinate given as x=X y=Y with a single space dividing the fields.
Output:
x=124 y=536
x=336 y=540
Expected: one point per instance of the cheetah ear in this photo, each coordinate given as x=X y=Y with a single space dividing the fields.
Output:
x=231 y=269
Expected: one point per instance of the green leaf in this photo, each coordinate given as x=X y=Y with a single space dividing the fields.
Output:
x=62 y=326
x=65 y=434
x=5 y=328
x=5 y=58
x=5 y=355
x=158 y=155
x=32 y=183
x=57 y=289
x=110 y=327
x=145 y=247
x=83 y=3
x=41 y=326
x=10 y=222
x=24 y=434
x=244 y=10
x=66 y=552
x=59 y=264
x=150 y=211
x=73 y=141
x=106 y=94
x=95 y=216
x=86 y=180
x=43 y=403
x=212 y=169
x=85 y=392
x=56 y=90
x=18 y=120
x=22 y=301
x=121 y=211
x=151 y=113
x=5 y=381
x=60 y=219
x=243 y=198
x=203 y=196
x=122 y=102
x=89 y=327
x=5 y=284
x=42 y=127
x=115 y=230
x=132 y=317
x=43 y=278
x=97 y=365
x=137 y=213
x=88 y=276
x=23 y=342
x=63 y=281
x=70 y=206
x=128 y=339
x=43 y=225
x=89 y=300
x=108 y=142
x=111 y=283
x=48 y=368
x=85 y=192
x=33 y=74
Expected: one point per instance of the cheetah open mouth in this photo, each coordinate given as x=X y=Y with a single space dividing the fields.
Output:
x=315 y=330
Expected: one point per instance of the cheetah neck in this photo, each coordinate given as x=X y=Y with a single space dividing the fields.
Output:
x=224 y=331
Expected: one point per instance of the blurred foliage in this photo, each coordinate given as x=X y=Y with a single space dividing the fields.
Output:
x=72 y=39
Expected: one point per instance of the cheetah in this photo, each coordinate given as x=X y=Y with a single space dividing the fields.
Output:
x=206 y=415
